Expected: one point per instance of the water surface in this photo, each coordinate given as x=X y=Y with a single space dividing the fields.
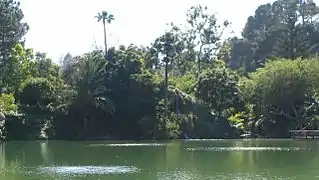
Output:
x=174 y=160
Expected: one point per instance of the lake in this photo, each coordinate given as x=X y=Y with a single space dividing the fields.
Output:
x=174 y=160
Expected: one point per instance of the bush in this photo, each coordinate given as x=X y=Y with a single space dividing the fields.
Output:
x=37 y=91
x=282 y=95
x=8 y=103
x=184 y=83
x=8 y=107
x=218 y=89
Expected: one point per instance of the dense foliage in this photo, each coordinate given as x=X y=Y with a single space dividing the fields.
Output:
x=189 y=83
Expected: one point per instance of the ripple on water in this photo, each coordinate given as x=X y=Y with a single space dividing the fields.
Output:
x=196 y=175
x=86 y=170
x=244 y=149
x=127 y=145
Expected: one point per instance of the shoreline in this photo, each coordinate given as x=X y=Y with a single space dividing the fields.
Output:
x=160 y=140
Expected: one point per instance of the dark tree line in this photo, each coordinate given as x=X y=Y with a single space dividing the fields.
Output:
x=188 y=83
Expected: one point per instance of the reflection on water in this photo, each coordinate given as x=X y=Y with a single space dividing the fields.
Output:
x=245 y=149
x=179 y=174
x=2 y=155
x=81 y=170
x=194 y=175
x=174 y=160
x=127 y=145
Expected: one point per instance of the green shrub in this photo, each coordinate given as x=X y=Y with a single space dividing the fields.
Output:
x=37 y=91
x=8 y=103
x=282 y=95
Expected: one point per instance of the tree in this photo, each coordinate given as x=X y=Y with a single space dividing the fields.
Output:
x=68 y=64
x=204 y=33
x=12 y=27
x=168 y=47
x=294 y=41
x=241 y=56
x=7 y=106
x=219 y=91
x=284 y=28
x=282 y=95
x=237 y=54
x=18 y=68
x=12 y=30
x=218 y=88
x=105 y=17
x=90 y=89
x=8 y=103
x=133 y=90
x=37 y=92
x=46 y=68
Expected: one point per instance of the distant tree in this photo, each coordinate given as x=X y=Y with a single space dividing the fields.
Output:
x=68 y=64
x=167 y=47
x=294 y=40
x=203 y=32
x=105 y=17
x=284 y=28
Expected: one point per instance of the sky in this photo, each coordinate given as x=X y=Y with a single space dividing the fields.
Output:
x=61 y=26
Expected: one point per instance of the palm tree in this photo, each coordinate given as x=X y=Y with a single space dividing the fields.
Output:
x=91 y=86
x=105 y=17
x=89 y=76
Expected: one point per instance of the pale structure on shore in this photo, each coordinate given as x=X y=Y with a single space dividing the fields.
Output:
x=2 y=117
x=2 y=123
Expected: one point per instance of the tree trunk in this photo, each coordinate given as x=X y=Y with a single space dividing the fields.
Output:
x=105 y=44
x=166 y=80
x=302 y=12
x=199 y=66
x=85 y=123
x=166 y=96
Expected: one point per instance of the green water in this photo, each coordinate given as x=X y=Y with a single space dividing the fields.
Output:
x=176 y=160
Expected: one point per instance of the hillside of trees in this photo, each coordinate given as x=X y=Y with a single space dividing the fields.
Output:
x=189 y=83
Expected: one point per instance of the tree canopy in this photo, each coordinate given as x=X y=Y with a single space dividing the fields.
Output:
x=189 y=83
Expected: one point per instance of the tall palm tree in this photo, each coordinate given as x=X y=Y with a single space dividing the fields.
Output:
x=89 y=76
x=105 y=17
x=90 y=85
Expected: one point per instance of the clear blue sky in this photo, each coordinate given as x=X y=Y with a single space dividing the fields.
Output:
x=61 y=26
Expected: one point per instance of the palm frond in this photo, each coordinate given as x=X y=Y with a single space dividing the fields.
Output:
x=91 y=81
x=99 y=17
x=110 y=18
